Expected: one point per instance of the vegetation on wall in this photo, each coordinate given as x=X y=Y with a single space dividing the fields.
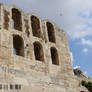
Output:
x=86 y=84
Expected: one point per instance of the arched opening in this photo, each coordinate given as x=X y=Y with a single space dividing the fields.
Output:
x=51 y=33
x=35 y=23
x=54 y=56
x=18 y=45
x=16 y=19
x=38 y=51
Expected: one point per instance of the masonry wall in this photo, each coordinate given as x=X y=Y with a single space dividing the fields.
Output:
x=23 y=69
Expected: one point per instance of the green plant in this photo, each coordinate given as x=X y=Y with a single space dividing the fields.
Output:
x=86 y=84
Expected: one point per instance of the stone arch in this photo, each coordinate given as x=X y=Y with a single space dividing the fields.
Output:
x=35 y=24
x=38 y=51
x=51 y=32
x=16 y=19
x=54 y=56
x=18 y=45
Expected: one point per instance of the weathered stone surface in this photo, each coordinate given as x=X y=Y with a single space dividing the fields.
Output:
x=33 y=71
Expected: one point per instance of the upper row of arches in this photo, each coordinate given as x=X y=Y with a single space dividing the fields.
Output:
x=35 y=24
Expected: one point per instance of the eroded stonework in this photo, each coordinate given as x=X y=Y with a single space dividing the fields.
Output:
x=34 y=55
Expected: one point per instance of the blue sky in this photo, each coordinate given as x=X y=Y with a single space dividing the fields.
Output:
x=74 y=17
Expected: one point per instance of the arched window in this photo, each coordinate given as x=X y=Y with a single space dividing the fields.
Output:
x=18 y=45
x=35 y=23
x=54 y=56
x=38 y=51
x=16 y=19
x=51 y=33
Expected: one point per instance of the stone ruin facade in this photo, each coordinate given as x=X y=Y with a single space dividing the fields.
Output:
x=34 y=54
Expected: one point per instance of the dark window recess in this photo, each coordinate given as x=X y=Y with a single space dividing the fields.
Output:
x=11 y=86
x=20 y=87
x=35 y=24
x=0 y=86
x=54 y=56
x=16 y=19
x=16 y=86
x=51 y=33
x=38 y=51
x=18 y=45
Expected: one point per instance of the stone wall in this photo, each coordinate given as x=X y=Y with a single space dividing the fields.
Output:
x=33 y=67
